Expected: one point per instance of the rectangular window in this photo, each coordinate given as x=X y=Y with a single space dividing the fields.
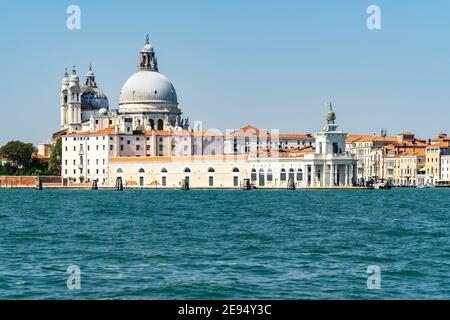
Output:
x=138 y=147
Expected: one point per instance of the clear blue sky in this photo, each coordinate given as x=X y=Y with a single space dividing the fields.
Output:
x=268 y=63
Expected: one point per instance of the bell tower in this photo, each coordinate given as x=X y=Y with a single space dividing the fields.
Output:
x=64 y=101
x=74 y=101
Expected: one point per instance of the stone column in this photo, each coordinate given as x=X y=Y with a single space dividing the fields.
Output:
x=336 y=175
x=331 y=174
x=323 y=175
x=313 y=175
x=346 y=175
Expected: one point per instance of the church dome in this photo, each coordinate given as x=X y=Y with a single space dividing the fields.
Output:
x=148 y=91
x=92 y=98
x=148 y=87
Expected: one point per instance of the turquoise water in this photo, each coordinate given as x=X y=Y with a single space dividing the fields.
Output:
x=225 y=244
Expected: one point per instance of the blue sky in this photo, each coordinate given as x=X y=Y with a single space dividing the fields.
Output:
x=272 y=64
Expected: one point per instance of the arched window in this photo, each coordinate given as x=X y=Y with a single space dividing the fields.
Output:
x=261 y=178
x=299 y=175
x=253 y=175
x=187 y=170
x=269 y=175
x=211 y=170
x=141 y=170
x=119 y=170
x=152 y=124
x=160 y=125
x=163 y=170
x=283 y=175
x=291 y=174
x=236 y=170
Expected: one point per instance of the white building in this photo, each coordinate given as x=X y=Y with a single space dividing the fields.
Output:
x=148 y=144
x=445 y=168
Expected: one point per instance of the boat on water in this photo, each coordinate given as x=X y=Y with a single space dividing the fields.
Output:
x=382 y=185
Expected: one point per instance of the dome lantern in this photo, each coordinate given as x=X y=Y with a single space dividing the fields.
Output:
x=148 y=61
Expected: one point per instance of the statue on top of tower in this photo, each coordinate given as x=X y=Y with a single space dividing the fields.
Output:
x=331 y=116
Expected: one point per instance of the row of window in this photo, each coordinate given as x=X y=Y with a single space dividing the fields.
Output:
x=89 y=162
x=97 y=171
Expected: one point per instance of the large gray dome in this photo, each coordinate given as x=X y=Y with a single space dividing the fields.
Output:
x=148 y=87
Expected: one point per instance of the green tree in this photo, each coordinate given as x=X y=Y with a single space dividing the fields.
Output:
x=56 y=157
x=19 y=153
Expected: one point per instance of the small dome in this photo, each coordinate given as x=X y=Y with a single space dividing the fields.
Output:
x=148 y=87
x=103 y=111
x=93 y=98
x=147 y=48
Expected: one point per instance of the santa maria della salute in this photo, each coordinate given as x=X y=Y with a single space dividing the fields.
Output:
x=146 y=143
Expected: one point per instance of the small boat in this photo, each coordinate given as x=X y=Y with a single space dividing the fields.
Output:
x=382 y=185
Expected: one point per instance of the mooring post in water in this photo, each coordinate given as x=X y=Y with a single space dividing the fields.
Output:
x=247 y=185
x=119 y=184
x=94 y=184
x=291 y=184
x=185 y=184
x=38 y=183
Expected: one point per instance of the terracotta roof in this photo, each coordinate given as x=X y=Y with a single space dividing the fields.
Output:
x=204 y=133
x=368 y=138
x=441 y=137
x=443 y=144
x=103 y=132
x=40 y=156
x=248 y=131
x=413 y=152
x=293 y=136
x=60 y=133
x=296 y=153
